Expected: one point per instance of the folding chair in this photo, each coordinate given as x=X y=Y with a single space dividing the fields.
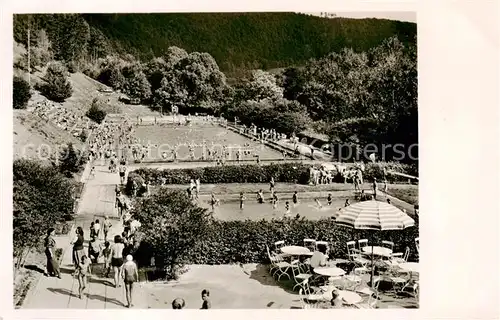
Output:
x=278 y=266
x=400 y=257
x=310 y=244
x=372 y=298
x=354 y=255
x=362 y=243
x=298 y=275
x=278 y=245
x=309 y=294
x=388 y=244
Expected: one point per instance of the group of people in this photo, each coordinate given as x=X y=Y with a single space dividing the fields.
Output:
x=63 y=118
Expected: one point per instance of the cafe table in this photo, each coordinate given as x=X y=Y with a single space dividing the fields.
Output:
x=377 y=251
x=329 y=271
x=296 y=251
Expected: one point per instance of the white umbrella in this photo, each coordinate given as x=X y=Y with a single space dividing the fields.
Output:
x=374 y=215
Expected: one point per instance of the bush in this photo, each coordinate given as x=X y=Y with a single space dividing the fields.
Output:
x=225 y=242
x=139 y=182
x=41 y=198
x=71 y=160
x=56 y=87
x=282 y=172
x=95 y=113
x=21 y=93
x=171 y=225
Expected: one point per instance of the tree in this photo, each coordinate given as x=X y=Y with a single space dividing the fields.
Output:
x=194 y=82
x=21 y=93
x=136 y=85
x=71 y=160
x=70 y=34
x=57 y=86
x=262 y=85
x=95 y=112
x=111 y=72
x=171 y=224
x=41 y=52
x=41 y=197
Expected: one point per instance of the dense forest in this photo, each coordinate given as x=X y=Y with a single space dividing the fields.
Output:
x=237 y=41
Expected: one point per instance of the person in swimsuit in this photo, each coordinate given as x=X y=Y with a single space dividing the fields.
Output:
x=78 y=251
x=295 y=199
x=275 y=200
x=242 y=199
x=129 y=275
x=260 y=196
x=205 y=296
x=83 y=273
x=117 y=258
x=329 y=199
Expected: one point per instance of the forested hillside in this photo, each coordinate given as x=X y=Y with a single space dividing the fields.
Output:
x=236 y=40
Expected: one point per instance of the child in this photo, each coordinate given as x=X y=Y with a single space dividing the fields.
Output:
x=287 y=208
x=347 y=203
x=106 y=254
x=329 y=199
x=94 y=249
x=275 y=200
x=213 y=202
x=318 y=203
x=205 y=296
x=295 y=199
x=83 y=272
x=242 y=198
x=260 y=196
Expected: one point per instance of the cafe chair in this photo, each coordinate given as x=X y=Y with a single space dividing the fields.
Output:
x=310 y=244
x=298 y=275
x=278 y=266
x=388 y=244
x=373 y=296
x=399 y=257
x=278 y=245
x=362 y=243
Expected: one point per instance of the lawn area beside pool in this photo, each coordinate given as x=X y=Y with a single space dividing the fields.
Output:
x=405 y=192
x=164 y=138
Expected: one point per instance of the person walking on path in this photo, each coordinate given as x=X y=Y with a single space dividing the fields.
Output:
x=129 y=275
x=106 y=225
x=106 y=256
x=122 y=172
x=97 y=228
x=78 y=251
x=117 y=258
x=52 y=265
x=83 y=271
x=242 y=200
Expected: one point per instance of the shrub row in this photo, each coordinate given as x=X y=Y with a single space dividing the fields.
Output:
x=226 y=242
x=282 y=172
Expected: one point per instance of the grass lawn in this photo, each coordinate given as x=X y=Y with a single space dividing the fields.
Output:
x=406 y=193
x=164 y=138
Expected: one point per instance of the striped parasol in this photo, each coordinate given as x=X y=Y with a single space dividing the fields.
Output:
x=374 y=215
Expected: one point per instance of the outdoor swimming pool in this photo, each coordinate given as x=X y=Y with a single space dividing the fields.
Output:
x=164 y=138
x=308 y=208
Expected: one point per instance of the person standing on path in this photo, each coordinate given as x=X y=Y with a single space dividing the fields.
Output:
x=106 y=225
x=97 y=228
x=52 y=265
x=117 y=258
x=78 y=251
x=83 y=272
x=122 y=172
x=129 y=275
x=375 y=187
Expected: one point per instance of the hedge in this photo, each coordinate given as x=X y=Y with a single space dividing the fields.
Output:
x=227 y=242
x=282 y=172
